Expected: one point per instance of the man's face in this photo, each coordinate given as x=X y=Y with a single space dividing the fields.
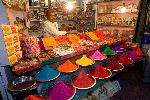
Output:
x=51 y=17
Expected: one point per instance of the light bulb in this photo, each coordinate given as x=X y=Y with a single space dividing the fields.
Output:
x=69 y=6
x=123 y=10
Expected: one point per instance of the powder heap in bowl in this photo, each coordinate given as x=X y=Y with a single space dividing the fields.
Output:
x=46 y=74
x=114 y=65
x=125 y=59
x=133 y=55
x=73 y=38
x=100 y=72
x=61 y=91
x=83 y=81
x=84 y=61
x=108 y=51
x=98 y=56
x=92 y=36
x=84 y=36
x=139 y=51
x=62 y=39
x=67 y=67
x=124 y=46
x=100 y=35
x=117 y=49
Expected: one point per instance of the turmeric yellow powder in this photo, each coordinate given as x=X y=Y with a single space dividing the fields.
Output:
x=84 y=61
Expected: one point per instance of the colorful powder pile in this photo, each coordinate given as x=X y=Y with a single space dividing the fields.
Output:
x=117 y=49
x=73 y=38
x=32 y=97
x=133 y=55
x=100 y=72
x=92 y=36
x=67 y=67
x=98 y=56
x=124 y=46
x=125 y=59
x=114 y=65
x=49 y=42
x=108 y=51
x=84 y=36
x=139 y=51
x=100 y=35
x=47 y=73
x=61 y=91
x=62 y=39
x=84 y=61
x=83 y=80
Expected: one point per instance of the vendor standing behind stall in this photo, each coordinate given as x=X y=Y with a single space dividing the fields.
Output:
x=50 y=26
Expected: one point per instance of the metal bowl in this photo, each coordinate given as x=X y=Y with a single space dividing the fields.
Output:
x=21 y=84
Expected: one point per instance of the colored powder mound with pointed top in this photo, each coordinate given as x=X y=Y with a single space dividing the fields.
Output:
x=100 y=35
x=124 y=46
x=108 y=51
x=67 y=67
x=133 y=55
x=98 y=56
x=62 y=39
x=114 y=65
x=83 y=80
x=100 y=72
x=84 y=36
x=92 y=36
x=49 y=42
x=47 y=73
x=117 y=49
x=124 y=59
x=139 y=51
x=84 y=61
x=61 y=91
x=73 y=38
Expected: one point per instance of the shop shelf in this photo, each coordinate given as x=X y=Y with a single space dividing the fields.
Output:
x=50 y=61
x=118 y=13
x=119 y=26
x=81 y=93
x=109 y=1
x=38 y=7
x=35 y=20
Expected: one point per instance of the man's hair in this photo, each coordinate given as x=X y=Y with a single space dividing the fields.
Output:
x=50 y=12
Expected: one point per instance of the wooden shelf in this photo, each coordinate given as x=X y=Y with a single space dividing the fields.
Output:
x=35 y=20
x=115 y=26
x=114 y=1
x=119 y=13
x=147 y=33
x=38 y=7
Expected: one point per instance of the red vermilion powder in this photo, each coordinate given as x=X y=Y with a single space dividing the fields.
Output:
x=84 y=36
x=83 y=80
x=100 y=72
x=124 y=59
x=62 y=39
x=100 y=35
x=139 y=51
x=114 y=65
x=124 y=46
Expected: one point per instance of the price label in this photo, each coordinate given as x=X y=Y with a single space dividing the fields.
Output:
x=102 y=93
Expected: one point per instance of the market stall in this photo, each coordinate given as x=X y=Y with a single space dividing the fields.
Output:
x=73 y=64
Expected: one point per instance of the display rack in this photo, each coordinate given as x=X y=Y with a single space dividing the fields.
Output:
x=112 y=16
x=68 y=77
